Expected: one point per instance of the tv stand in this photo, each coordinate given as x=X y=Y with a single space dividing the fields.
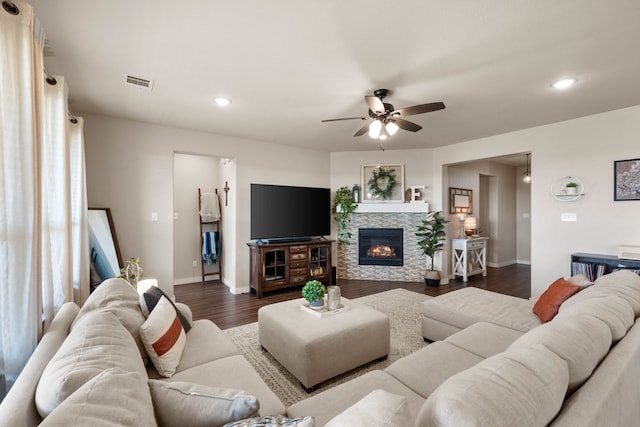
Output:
x=279 y=264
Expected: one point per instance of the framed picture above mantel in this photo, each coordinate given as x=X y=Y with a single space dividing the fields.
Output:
x=383 y=183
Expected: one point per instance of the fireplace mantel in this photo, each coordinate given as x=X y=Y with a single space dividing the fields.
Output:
x=411 y=207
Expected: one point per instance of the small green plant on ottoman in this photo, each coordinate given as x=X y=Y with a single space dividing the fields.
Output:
x=313 y=291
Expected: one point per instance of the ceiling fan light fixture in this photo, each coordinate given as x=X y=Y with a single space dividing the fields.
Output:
x=392 y=128
x=374 y=129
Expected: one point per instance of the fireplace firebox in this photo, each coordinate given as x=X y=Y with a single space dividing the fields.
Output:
x=380 y=246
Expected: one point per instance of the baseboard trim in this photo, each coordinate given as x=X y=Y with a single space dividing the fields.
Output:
x=196 y=279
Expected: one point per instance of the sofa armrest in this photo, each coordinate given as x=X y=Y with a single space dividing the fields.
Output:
x=186 y=311
x=18 y=407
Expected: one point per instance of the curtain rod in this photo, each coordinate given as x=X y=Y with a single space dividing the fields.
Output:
x=10 y=7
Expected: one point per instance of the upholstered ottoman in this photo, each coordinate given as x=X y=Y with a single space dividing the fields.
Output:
x=314 y=348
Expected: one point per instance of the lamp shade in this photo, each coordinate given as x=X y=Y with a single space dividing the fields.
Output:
x=470 y=223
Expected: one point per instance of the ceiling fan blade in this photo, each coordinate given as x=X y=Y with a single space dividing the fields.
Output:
x=406 y=125
x=364 y=129
x=344 y=118
x=375 y=104
x=419 y=109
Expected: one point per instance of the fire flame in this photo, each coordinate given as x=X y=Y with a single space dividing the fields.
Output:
x=381 y=251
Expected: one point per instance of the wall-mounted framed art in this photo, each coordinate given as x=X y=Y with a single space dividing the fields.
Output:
x=626 y=180
x=460 y=201
x=382 y=183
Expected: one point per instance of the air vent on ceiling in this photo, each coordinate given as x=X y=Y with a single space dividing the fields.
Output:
x=139 y=82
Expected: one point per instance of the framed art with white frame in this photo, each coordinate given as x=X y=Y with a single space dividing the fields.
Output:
x=382 y=183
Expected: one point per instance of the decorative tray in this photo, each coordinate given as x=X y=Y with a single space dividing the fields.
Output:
x=324 y=312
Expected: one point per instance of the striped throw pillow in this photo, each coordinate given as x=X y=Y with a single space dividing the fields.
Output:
x=164 y=337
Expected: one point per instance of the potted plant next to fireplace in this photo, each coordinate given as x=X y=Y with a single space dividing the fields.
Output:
x=431 y=233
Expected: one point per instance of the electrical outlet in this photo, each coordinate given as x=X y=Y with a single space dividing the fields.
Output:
x=195 y=263
x=568 y=217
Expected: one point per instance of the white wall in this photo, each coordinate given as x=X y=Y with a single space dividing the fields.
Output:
x=586 y=148
x=130 y=170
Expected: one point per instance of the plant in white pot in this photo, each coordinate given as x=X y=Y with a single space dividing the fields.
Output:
x=572 y=187
x=432 y=233
x=313 y=291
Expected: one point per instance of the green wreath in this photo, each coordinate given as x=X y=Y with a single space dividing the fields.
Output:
x=381 y=174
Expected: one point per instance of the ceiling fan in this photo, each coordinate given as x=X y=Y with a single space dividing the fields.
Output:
x=386 y=119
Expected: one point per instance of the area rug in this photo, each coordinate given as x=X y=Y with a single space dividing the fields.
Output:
x=402 y=307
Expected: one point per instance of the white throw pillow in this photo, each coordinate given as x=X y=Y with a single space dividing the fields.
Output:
x=164 y=338
x=180 y=403
x=98 y=342
x=377 y=409
x=112 y=398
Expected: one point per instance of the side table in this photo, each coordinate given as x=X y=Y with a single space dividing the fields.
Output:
x=469 y=257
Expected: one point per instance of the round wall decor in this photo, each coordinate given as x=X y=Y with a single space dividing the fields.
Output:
x=567 y=188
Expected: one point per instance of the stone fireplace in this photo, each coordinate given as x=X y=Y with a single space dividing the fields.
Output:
x=398 y=216
x=380 y=246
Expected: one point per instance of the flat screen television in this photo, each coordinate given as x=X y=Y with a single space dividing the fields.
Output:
x=280 y=212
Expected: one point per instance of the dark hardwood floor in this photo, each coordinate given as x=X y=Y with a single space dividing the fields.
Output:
x=213 y=300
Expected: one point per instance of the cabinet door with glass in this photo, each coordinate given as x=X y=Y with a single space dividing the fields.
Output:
x=275 y=265
x=320 y=262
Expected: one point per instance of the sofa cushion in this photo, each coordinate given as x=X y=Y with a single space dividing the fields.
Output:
x=112 y=398
x=120 y=298
x=205 y=342
x=98 y=342
x=180 y=403
x=547 y=306
x=464 y=307
x=377 y=409
x=150 y=298
x=624 y=283
x=435 y=363
x=582 y=341
x=484 y=339
x=521 y=387
x=273 y=421
x=164 y=338
x=224 y=373
x=613 y=310
x=326 y=405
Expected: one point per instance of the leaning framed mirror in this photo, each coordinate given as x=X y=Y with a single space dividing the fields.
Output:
x=106 y=260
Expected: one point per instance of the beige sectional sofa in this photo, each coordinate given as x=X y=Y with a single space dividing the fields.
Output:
x=120 y=392
x=493 y=364
x=497 y=366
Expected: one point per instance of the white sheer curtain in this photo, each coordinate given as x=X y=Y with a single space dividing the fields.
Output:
x=43 y=234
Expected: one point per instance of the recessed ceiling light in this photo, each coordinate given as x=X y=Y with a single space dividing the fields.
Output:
x=223 y=102
x=564 y=83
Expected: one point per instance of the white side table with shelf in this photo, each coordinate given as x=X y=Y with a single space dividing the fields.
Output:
x=469 y=257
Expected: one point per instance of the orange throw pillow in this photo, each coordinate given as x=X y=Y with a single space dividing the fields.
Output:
x=549 y=302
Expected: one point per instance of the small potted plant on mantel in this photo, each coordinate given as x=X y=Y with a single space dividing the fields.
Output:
x=313 y=291
x=432 y=234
